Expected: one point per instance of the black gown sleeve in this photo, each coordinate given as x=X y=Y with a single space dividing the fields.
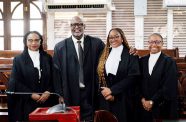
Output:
x=57 y=78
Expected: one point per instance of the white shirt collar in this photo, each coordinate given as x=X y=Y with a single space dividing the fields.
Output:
x=76 y=44
x=75 y=41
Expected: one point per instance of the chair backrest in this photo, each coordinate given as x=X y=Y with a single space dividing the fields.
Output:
x=174 y=53
x=104 y=116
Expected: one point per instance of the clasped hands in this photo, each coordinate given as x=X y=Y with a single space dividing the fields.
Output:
x=147 y=104
x=106 y=92
x=40 y=98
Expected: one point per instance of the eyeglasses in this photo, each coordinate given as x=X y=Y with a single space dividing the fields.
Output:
x=34 y=40
x=114 y=37
x=77 y=24
x=157 y=42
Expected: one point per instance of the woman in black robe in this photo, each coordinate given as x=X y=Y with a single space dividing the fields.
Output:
x=117 y=71
x=31 y=73
x=159 y=82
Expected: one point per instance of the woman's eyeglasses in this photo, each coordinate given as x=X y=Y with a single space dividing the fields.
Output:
x=34 y=40
x=157 y=42
x=114 y=37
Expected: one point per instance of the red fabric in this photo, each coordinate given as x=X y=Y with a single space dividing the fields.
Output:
x=69 y=116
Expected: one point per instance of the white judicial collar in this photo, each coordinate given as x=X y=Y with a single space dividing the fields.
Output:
x=113 y=60
x=152 y=61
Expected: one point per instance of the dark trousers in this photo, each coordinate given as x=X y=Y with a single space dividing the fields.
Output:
x=86 y=110
x=147 y=116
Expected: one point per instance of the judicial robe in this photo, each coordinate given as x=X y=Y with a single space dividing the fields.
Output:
x=160 y=87
x=122 y=86
x=66 y=70
x=25 y=78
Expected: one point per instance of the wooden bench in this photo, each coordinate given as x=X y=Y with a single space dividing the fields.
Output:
x=170 y=52
x=9 y=53
x=6 y=60
x=5 y=70
x=181 y=66
x=13 y=53
x=180 y=60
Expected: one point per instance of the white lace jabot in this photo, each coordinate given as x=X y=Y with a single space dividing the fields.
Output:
x=35 y=56
x=113 y=60
x=152 y=61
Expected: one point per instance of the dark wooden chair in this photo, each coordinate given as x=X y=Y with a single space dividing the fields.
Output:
x=104 y=116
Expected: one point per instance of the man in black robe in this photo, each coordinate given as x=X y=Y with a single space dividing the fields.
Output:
x=66 y=69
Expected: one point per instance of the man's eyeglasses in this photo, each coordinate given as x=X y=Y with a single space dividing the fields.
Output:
x=34 y=40
x=157 y=42
x=77 y=24
x=114 y=37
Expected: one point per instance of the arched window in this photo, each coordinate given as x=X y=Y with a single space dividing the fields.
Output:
x=20 y=16
x=17 y=21
x=1 y=27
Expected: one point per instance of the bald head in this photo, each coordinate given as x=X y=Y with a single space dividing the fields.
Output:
x=75 y=19
x=77 y=27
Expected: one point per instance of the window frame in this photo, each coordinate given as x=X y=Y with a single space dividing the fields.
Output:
x=7 y=17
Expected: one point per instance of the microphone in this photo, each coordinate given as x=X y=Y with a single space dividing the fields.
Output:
x=61 y=107
x=29 y=93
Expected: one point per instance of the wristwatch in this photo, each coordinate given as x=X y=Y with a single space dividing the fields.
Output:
x=151 y=102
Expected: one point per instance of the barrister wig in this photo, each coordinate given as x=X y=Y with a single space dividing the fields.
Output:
x=105 y=55
x=26 y=36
